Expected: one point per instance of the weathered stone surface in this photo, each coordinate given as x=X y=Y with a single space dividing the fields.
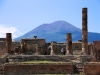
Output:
x=29 y=45
x=38 y=50
x=97 y=50
x=92 y=69
x=69 y=44
x=53 y=48
x=84 y=31
x=8 y=42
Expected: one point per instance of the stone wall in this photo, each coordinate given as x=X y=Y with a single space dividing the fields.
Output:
x=14 y=45
x=76 y=47
x=92 y=69
x=97 y=50
x=2 y=39
x=50 y=68
x=31 y=44
x=46 y=68
x=3 y=47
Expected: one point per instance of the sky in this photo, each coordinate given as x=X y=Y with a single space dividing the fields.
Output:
x=22 y=16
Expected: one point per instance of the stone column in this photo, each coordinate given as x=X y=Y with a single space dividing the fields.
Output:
x=53 y=48
x=38 y=51
x=8 y=42
x=69 y=44
x=84 y=31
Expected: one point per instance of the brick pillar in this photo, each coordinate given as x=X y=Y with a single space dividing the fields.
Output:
x=84 y=31
x=8 y=42
x=38 y=51
x=69 y=44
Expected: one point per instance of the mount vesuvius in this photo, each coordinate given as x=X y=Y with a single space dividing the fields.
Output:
x=56 y=31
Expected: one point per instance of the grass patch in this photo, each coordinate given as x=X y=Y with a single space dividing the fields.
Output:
x=42 y=61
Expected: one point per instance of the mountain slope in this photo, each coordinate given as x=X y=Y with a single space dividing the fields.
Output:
x=56 y=31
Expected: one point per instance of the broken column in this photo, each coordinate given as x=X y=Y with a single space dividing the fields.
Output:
x=84 y=31
x=69 y=44
x=53 y=48
x=38 y=50
x=8 y=42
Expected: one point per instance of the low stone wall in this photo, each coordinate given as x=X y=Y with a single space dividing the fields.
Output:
x=63 y=58
x=46 y=68
x=92 y=69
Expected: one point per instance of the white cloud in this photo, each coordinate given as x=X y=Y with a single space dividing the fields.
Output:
x=6 y=29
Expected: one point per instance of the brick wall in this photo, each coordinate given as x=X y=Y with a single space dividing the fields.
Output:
x=32 y=43
x=92 y=69
x=3 y=47
x=54 y=68
x=97 y=50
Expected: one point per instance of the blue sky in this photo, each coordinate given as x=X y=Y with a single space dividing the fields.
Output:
x=21 y=16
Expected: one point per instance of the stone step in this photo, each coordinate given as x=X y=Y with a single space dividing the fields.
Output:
x=1 y=72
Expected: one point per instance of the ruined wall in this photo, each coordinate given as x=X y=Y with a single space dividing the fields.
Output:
x=31 y=44
x=76 y=47
x=14 y=45
x=92 y=69
x=3 y=47
x=54 y=68
x=2 y=39
x=97 y=50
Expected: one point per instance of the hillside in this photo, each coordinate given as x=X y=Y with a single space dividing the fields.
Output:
x=56 y=31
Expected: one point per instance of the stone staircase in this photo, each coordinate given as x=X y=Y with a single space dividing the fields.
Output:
x=79 y=68
x=1 y=70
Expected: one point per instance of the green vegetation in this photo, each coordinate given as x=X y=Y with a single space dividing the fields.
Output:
x=42 y=61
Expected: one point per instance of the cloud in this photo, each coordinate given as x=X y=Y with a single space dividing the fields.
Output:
x=6 y=29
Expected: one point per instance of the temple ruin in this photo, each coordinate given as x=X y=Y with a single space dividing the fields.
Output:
x=74 y=57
